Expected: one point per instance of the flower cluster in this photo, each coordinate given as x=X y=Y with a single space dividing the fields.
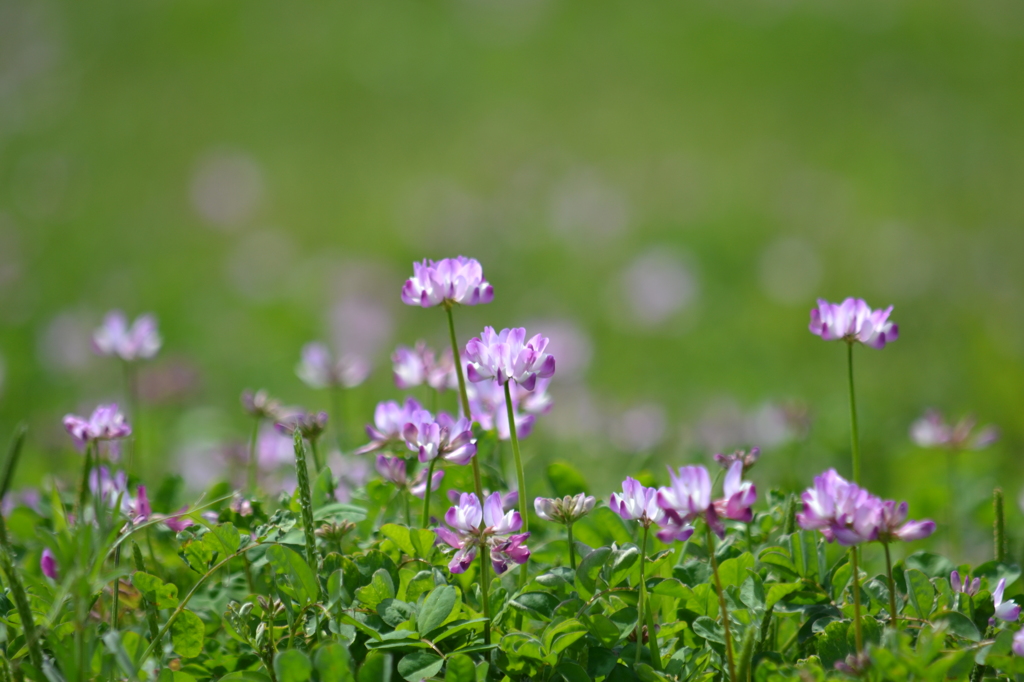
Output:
x=853 y=321
x=138 y=341
x=394 y=470
x=566 y=510
x=105 y=423
x=311 y=425
x=260 y=405
x=509 y=355
x=445 y=437
x=849 y=514
x=420 y=365
x=487 y=405
x=932 y=431
x=389 y=420
x=497 y=535
x=318 y=368
x=447 y=281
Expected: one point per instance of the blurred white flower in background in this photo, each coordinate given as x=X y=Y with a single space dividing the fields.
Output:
x=226 y=188
x=568 y=342
x=640 y=428
x=656 y=285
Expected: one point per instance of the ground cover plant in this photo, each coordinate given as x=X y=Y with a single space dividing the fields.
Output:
x=452 y=565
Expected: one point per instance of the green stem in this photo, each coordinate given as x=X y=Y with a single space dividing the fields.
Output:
x=253 y=461
x=132 y=393
x=520 y=476
x=999 y=525
x=117 y=590
x=456 y=357
x=572 y=549
x=408 y=512
x=305 y=502
x=721 y=603
x=151 y=614
x=858 y=635
x=854 y=437
x=83 y=488
x=426 y=494
x=485 y=588
x=640 y=601
x=318 y=464
x=894 y=618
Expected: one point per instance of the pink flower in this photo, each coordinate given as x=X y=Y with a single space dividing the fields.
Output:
x=48 y=564
x=932 y=431
x=688 y=497
x=1018 y=643
x=1005 y=610
x=137 y=342
x=636 y=502
x=498 y=535
x=319 y=369
x=445 y=437
x=415 y=366
x=487 y=405
x=393 y=470
x=105 y=423
x=852 y=320
x=389 y=419
x=508 y=355
x=447 y=281
x=966 y=586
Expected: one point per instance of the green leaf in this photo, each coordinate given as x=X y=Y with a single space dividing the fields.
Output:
x=223 y=539
x=112 y=640
x=540 y=605
x=334 y=663
x=709 y=630
x=394 y=612
x=292 y=666
x=322 y=491
x=920 y=591
x=289 y=563
x=734 y=571
x=436 y=608
x=589 y=569
x=420 y=665
x=752 y=593
x=932 y=565
x=565 y=479
x=380 y=588
x=779 y=591
x=832 y=645
x=602 y=627
x=778 y=558
x=341 y=511
x=559 y=636
x=187 y=633
x=573 y=671
x=239 y=676
x=958 y=624
x=415 y=542
x=168 y=675
x=156 y=591
x=620 y=562
x=459 y=668
x=376 y=668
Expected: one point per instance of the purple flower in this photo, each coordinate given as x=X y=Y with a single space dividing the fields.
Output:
x=105 y=423
x=111 y=490
x=932 y=431
x=509 y=500
x=852 y=320
x=445 y=437
x=140 y=510
x=319 y=369
x=419 y=484
x=498 y=535
x=48 y=564
x=415 y=366
x=259 y=404
x=747 y=458
x=1018 y=643
x=178 y=522
x=893 y=524
x=565 y=510
x=966 y=586
x=389 y=419
x=311 y=425
x=688 y=497
x=1005 y=610
x=509 y=355
x=447 y=281
x=393 y=470
x=137 y=342
x=636 y=503
x=487 y=405
x=841 y=510
x=738 y=495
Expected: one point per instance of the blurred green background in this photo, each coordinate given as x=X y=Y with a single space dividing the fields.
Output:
x=665 y=188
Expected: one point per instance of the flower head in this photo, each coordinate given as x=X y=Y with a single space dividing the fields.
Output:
x=389 y=419
x=105 y=423
x=447 y=281
x=139 y=341
x=509 y=500
x=318 y=368
x=48 y=564
x=259 y=404
x=852 y=320
x=509 y=355
x=565 y=510
x=893 y=524
x=748 y=458
x=636 y=502
x=415 y=366
x=310 y=424
x=966 y=586
x=393 y=470
x=498 y=534
x=487 y=405
x=1018 y=643
x=738 y=495
x=446 y=437
x=932 y=431
x=1005 y=610
x=841 y=510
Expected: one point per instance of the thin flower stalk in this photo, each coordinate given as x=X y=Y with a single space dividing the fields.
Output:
x=520 y=475
x=305 y=502
x=478 y=485
x=721 y=603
